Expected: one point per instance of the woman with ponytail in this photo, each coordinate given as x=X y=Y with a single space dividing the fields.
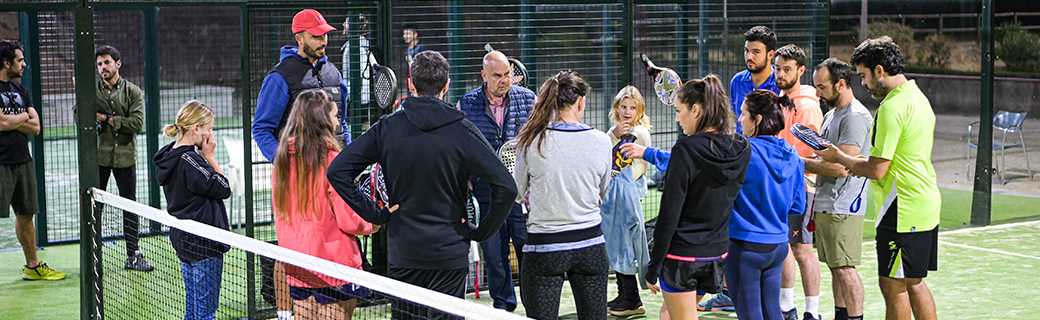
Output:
x=773 y=189
x=195 y=189
x=565 y=165
x=704 y=177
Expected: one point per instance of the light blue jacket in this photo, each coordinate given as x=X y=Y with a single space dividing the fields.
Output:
x=622 y=225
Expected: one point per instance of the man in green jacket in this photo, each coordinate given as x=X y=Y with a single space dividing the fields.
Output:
x=120 y=114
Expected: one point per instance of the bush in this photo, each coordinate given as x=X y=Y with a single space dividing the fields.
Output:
x=935 y=50
x=1019 y=49
x=900 y=34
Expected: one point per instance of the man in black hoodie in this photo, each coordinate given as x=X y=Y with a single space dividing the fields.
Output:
x=427 y=151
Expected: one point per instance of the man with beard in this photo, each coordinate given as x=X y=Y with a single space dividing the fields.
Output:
x=120 y=115
x=790 y=65
x=903 y=191
x=18 y=119
x=759 y=46
x=499 y=109
x=411 y=38
x=300 y=68
x=839 y=215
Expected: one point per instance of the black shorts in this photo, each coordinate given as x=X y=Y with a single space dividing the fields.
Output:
x=330 y=294
x=798 y=226
x=684 y=276
x=907 y=255
x=18 y=190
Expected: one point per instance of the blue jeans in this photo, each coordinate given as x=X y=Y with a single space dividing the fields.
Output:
x=496 y=256
x=202 y=288
x=753 y=280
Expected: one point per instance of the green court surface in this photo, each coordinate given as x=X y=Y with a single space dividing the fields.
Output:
x=984 y=273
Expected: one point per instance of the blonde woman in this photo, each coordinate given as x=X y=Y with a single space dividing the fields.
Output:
x=622 y=210
x=195 y=189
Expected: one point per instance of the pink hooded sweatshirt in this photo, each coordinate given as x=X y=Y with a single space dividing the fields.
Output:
x=330 y=238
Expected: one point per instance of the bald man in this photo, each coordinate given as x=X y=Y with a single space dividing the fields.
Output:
x=499 y=109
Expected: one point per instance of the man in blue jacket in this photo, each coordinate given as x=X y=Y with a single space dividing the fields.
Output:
x=499 y=109
x=300 y=68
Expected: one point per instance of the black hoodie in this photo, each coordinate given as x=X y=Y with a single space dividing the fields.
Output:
x=194 y=191
x=427 y=152
x=704 y=177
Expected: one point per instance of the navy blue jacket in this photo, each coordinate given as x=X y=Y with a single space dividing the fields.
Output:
x=474 y=104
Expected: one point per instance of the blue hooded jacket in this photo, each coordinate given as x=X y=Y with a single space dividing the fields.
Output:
x=773 y=189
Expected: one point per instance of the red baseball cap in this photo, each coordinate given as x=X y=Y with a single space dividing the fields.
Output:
x=311 y=21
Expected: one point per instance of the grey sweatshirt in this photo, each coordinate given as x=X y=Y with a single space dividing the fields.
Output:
x=567 y=180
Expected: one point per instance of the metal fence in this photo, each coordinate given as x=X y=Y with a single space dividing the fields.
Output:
x=219 y=52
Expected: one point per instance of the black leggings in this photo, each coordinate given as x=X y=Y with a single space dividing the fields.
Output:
x=541 y=279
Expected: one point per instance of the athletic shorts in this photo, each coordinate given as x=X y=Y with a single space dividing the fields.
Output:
x=683 y=276
x=839 y=239
x=907 y=255
x=330 y=294
x=799 y=225
x=18 y=190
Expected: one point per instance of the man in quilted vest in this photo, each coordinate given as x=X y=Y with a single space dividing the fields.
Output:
x=499 y=109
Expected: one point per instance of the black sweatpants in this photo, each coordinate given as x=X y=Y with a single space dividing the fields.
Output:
x=450 y=282
x=126 y=180
x=541 y=280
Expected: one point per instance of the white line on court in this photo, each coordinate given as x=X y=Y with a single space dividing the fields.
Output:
x=990 y=250
x=986 y=228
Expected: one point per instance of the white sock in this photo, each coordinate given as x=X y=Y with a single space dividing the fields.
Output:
x=786 y=299
x=285 y=315
x=812 y=305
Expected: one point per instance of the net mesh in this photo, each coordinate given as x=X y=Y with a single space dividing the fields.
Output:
x=199 y=277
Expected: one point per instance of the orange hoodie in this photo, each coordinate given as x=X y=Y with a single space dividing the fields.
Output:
x=807 y=112
x=330 y=238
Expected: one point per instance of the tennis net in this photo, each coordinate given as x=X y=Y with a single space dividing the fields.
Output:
x=245 y=284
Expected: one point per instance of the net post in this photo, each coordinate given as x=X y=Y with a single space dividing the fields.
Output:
x=981 y=200
x=86 y=129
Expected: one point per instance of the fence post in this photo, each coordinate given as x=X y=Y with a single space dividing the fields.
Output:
x=152 y=104
x=702 y=37
x=527 y=39
x=629 y=11
x=821 y=33
x=247 y=156
x=682 y=51
x=981 y=200
x=456 y=30
x=86 y=129
x=28 y=26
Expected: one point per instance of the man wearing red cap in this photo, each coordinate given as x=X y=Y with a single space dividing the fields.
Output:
x=300 y=68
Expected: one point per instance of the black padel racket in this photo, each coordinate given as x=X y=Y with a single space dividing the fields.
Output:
x=507 y=153
x=519 y=70
x=374 y=187
x=809 y=136
x=384 y=83
x=620 y=161
x=666 y=81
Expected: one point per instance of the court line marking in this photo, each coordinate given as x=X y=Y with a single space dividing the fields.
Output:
x=989 y=250
x=986 y=228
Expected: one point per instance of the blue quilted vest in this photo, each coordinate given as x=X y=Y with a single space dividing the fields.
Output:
x=475 y=105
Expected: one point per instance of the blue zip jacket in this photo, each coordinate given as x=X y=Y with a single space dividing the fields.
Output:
x=773 y=189
x=271 y=103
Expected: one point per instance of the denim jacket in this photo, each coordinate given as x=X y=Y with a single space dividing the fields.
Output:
x=622 y=224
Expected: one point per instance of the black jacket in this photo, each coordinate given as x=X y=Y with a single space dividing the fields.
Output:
x=194 y=191
x=704 y=177
x=427 y=152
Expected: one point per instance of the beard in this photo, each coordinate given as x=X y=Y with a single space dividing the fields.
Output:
x=758 y=67
x=313 y=52
x=831 y=101
x=783 y=85
x=878 y=89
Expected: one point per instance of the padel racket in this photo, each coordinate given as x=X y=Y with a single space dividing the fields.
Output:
x=384 y=83
x=507 y=153
x=620 y=161
x=519 y=70
x=809 y=136
x=374 y=187
x=666 y=81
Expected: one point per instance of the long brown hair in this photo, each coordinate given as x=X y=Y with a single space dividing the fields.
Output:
x=711 y=96
x=303 y=150
x=557 y=93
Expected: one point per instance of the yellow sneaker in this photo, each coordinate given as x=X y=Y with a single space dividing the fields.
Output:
x=41 y=272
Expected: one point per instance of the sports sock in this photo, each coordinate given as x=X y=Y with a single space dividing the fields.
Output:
x=841 y=313
x=856 y=318
x=812 y=305
x=786 y=299
x=284 y=315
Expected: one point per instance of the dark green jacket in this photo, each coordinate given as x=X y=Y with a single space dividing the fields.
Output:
x=117 y=143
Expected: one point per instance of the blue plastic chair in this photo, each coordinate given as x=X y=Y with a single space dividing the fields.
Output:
x=1005 y=122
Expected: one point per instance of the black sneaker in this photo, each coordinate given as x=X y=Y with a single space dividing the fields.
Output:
x=137 y=262
x=616 y=302
x=628 y=308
